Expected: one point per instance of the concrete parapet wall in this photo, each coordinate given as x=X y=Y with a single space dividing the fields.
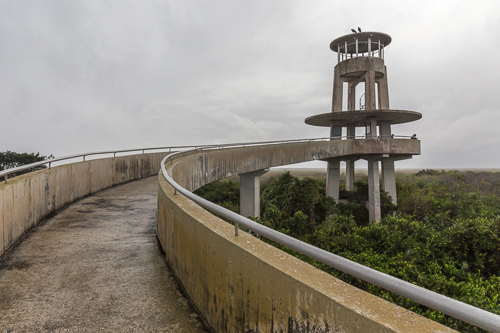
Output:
x=26 y=200
x=241 y=284
x=218 y=164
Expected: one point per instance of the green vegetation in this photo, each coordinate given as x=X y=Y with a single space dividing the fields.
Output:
x=10 y=159
x=444 y=235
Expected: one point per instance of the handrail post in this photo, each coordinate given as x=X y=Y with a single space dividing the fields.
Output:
x=236 y=229
x=6 y=177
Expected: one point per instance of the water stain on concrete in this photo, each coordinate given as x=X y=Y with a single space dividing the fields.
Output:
x=95 y=266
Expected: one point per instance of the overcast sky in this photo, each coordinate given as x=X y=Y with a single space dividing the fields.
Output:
x=90 y=75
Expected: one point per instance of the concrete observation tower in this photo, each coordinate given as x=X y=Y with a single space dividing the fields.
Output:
x=361 y=60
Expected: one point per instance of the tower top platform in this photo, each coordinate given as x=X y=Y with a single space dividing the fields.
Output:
x=359 y=118
x=360 y=42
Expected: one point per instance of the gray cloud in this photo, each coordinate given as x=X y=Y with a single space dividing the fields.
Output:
x=93 y=75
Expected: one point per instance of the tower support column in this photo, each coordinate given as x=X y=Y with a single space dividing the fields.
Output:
x=384 y=129
x=371 y=127
x=349 y=164
x=383 y=92
x=333 y=179
x=351 y=96
x=373 y=191
x=250 y=193
x=349 y=175
x=338 y=86
x=370 y=101
x=389 y=178
x=388 y=170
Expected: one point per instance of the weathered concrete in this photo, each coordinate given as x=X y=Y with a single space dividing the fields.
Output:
x=250 y=193
x=359 y=118
x=218 y=164
x=28 y=199
x=349 y=174
x=94 y=267
x=333 y=178
x=374 y=211
x=389 y=178
x=241 y=284
x=349 y=163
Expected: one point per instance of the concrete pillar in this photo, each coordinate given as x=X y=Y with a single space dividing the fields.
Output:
x=373 y=191
x=349 y=164
x=383 y=92
x=388 y=171
x=351 y=131
x=250 y=193
x=333 y=179
x=349 y=175
x=373 y=127
x=351 y=96
x=338 y=86
x=389 y=179
x=370 y=100
x=384 y=129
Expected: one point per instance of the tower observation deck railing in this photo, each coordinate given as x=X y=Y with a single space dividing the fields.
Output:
x=433 y=300
x=375 y=49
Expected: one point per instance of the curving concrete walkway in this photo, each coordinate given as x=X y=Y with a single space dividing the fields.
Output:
x=95 y=266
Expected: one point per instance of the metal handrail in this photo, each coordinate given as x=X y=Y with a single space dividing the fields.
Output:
x=7 y=172
x=465 y=312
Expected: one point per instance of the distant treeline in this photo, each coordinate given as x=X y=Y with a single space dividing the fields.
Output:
x=444 y=234
x=10 y=159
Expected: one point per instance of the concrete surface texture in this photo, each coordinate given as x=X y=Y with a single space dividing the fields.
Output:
x=95 y=266
x=28 y=199
x=241 y=284
x=358 y=118
x=199 y=169
x=250 y=193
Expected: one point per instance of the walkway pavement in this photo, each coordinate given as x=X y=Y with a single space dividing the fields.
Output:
x=95 y=266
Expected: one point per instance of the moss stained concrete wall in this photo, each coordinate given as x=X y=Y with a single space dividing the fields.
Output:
x=26 y=200
x=217 y=164
x=241 y=284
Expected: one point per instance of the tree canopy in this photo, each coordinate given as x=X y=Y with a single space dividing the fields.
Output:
x=444 y=234
x=10 y=159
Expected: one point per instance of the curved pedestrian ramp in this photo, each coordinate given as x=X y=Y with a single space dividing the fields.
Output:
x=95 y=267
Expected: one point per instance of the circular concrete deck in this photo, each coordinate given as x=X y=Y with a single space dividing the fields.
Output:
x=362 y=38
x=359 y=118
